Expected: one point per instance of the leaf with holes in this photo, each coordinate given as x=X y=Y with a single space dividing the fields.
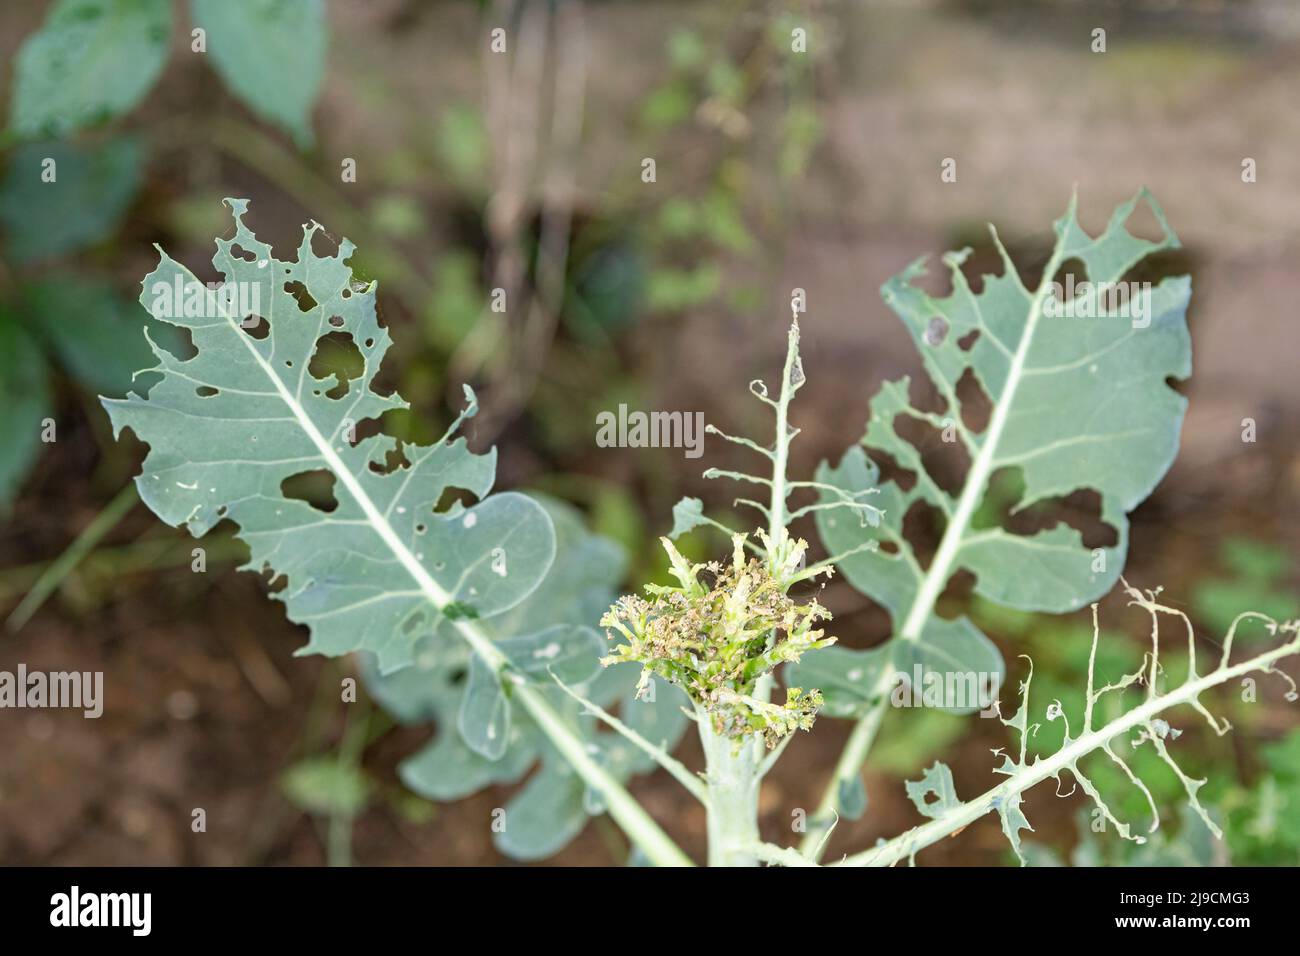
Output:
x=1080 y=402
x=377 y=565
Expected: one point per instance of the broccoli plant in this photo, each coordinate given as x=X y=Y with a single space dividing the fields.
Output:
x=480 y=618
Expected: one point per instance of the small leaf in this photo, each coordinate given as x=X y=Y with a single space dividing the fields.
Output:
x=91 y=61
x=934 y=792
x=271 y=54
x=93 y=188
x=687 y=514
x=25 y=397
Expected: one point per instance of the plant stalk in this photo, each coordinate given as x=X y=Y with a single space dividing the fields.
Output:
x=733 y=780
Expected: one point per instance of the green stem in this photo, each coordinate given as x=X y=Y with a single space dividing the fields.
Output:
x=57 y=572
x=656 y=752
x=339 y=848
x=781 y=453
x=733 y=781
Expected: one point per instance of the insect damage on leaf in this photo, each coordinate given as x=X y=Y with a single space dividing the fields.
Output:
x=230 y=429
x=715 y=640
x=1081 y=403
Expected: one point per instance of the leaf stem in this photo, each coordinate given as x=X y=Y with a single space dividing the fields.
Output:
x=660 y=756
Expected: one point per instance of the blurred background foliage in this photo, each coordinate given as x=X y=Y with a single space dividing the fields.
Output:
x=484 y=178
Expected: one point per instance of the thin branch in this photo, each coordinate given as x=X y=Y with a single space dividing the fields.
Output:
x=657 y=753
x=752 y=445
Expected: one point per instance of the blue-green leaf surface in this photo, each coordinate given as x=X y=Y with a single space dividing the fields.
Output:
x=1077 y=404
x=271 y=54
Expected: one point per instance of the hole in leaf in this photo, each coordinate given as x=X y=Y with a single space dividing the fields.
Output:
x=206 y=391
x=452 y=495
x=976 y=406
x=323 y=245
x=1142 y=223
x=336 y=321
x=943 y=455
x=1080 y=510
x=255 y=326
x=300 y=295
x=967 y=341
x=336 y=354
x=936 y=281
x=889 y=547
x=925 y=397
x=1162 y=265
x=1071 y=275
x=891 y=470
x=239 y=252
x=176 y=340
x=394 y=459
x=923 y=526
x=316 y=488
x=955 y=598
